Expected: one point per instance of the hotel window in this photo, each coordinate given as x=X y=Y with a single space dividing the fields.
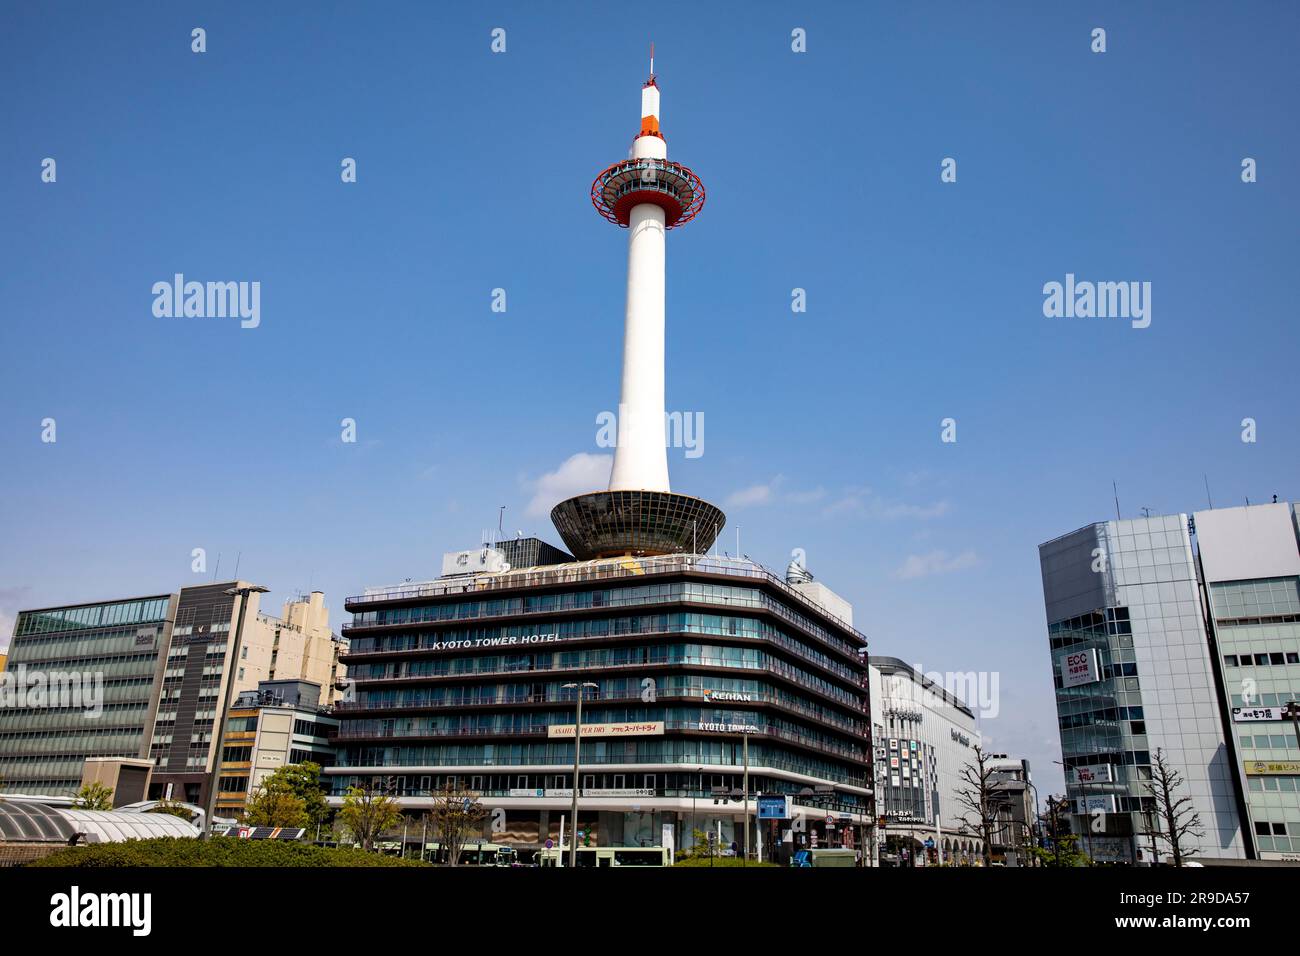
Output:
x=1230 y=660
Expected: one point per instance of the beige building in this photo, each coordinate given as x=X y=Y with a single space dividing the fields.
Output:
x=201 y=659
x=278 y=724
x=297 y=646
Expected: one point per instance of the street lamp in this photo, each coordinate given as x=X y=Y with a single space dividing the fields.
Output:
x=694 y=795
x=577 y=747
x=220 y=723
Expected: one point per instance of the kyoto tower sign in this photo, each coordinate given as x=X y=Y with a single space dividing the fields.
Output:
x=639 y=514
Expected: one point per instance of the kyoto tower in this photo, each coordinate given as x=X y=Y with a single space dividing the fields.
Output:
x=639 y=515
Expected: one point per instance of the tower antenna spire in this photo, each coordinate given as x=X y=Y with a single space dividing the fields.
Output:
x=652 y=60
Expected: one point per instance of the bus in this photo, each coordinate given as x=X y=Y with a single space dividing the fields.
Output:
x=608 y=856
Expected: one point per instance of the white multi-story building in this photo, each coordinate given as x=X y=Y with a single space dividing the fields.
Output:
x=923 y=738
x=1250 y=568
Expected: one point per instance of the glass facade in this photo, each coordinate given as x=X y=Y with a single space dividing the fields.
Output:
x=1133 y=673
x=80 y=683
x=463 y=688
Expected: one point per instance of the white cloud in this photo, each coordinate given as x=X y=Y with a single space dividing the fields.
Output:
x=754 y=494
x=865 y=503
x=578 y=475
x=770 y=493
x=935 y=562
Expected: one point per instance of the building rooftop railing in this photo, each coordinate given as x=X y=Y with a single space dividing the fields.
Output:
x=604 y=569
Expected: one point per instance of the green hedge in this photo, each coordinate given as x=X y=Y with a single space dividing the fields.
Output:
x=219 y=851
x=720 y=861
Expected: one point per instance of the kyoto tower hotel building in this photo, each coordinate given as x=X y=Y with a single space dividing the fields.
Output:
x=697 y=671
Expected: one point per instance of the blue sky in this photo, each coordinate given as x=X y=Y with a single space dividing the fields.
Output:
x=924 y=299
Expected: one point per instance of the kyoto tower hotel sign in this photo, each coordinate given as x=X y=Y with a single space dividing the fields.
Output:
x=639 y=514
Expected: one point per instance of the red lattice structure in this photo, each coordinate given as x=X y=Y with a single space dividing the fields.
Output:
x=671 y=186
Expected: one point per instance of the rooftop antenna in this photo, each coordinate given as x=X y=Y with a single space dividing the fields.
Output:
x=1207 y=490
x=1115 y=488
x=501 y=517
x=652 y=60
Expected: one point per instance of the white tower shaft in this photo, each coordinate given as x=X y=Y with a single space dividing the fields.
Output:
x=641 y=458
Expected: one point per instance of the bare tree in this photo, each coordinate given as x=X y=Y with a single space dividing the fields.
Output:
x=1178 y=818
x=979 y=800
x=455 y=814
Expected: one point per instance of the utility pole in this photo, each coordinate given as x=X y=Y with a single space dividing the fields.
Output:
x=219 y=725
x=577 y=750
x=745 y=751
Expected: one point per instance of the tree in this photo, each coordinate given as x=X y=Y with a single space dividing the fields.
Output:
x=454 y=816
x=1177 y=817
x=979 y=800
x=273 y=804
x=1055 y=822
x=94 y=796
x=304 y=780
x=367 y=813
x=173 y=808
x=702 y=848
x=290 y=797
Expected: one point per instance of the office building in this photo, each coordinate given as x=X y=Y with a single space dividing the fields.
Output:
x=1250 y=570
x=1015 y=810
x=81 y=682
x=279 y=724
x=924 y=736
x=145 y=678
x=1133 y=673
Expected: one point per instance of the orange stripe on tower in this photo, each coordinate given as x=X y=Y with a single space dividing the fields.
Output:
x=649 y=126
